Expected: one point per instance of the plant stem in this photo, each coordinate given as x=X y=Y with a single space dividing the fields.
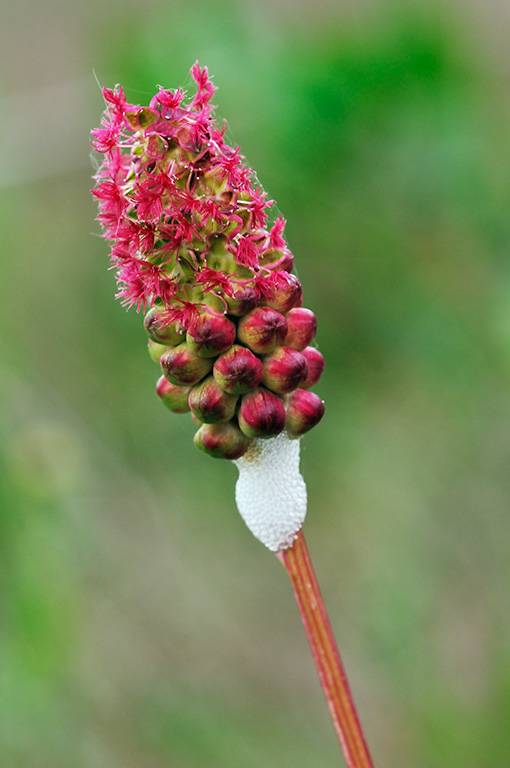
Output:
x=333 y=678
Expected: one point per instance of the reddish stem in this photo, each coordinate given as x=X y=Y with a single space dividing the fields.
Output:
x=298 y=564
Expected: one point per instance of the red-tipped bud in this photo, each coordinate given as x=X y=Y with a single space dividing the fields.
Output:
x=301 y=328
x=238 y=370
x=242 y=301
x=210 y=403
x=182 y=366
x=286 y=293
x=261 y=414
x=304 y=410
x=316 y=365
x=262 y=330
x=173 y=396
x=223 y=441
x=156 y=350
x=284 y=370
x=160 y=330
x=209 y=335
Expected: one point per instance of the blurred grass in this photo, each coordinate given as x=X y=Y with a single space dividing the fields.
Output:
x=140 y=622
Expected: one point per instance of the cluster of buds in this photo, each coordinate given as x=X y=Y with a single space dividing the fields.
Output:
x=193 y=249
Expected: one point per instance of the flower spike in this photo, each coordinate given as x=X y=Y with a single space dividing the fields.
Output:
x=192 y=248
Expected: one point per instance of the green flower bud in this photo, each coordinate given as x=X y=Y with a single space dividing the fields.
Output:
x=285 y=295
x=284 y=370
x=210 y=403
x=173 y=396
x=304 y=410
x=261 y=414
x=182 y=366
x=243 y=300
x=238 y=370
x=223 y=441
x=262 y=330
x=161 y=331
x=301 y=328
x=209 y=335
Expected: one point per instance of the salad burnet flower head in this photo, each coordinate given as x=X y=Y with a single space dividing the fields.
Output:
x=196 y=249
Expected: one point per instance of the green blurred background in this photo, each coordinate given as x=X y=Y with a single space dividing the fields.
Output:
x=141 y=623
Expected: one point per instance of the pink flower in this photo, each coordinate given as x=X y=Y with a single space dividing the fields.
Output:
x=205 y=88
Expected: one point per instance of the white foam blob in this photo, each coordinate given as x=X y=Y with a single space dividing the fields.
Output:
x=270 y=492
